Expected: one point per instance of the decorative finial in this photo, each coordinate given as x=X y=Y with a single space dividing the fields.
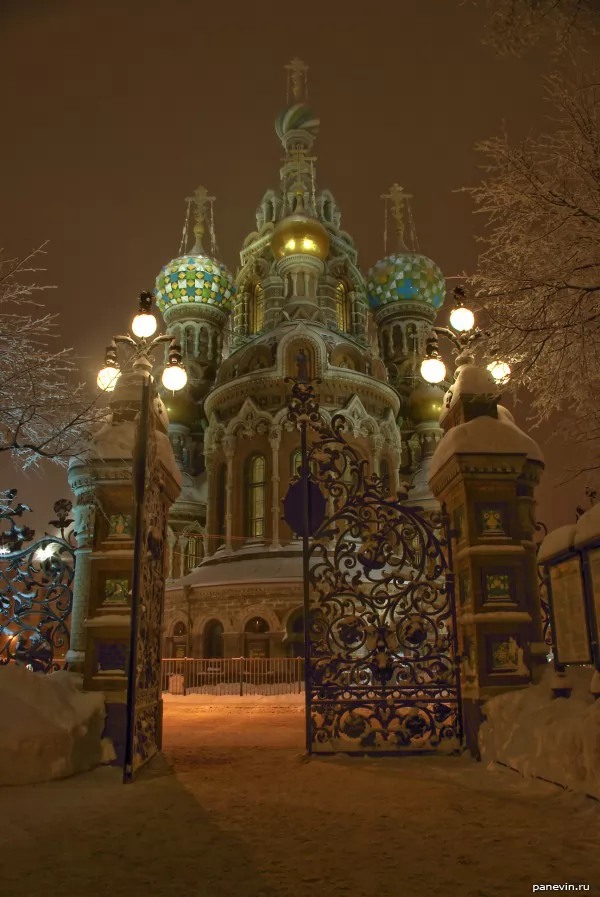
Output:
x=397 y=198
x=297 y=70
x=200 y=199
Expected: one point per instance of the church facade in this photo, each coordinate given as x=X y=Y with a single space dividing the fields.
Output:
x=298 y=303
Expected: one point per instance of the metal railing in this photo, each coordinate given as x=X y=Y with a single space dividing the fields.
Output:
x=233 y=675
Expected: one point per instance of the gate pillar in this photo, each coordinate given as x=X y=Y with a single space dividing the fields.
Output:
x=101 y=479
x=485 y=470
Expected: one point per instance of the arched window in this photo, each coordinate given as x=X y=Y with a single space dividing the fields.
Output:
x=384 y=473
x=296 y=465
x=190 y=341
x=213 y=639
x=179 y=630
x=221 y=502
x=194 y=552
x=341 y=307
x=257 y=309
x=256 y=488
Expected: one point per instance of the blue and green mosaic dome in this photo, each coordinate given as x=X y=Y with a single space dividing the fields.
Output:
x=194 y=278
x=405 y=277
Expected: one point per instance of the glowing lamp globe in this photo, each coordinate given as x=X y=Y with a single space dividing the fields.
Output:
x=174 y=377
x=144 y=325
x=433 y=370
x=500 y=371
x=107 y=378
x=462 y=319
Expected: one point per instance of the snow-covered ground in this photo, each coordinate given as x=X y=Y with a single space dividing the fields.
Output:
x=234 y=810
x=556 y=739
x=49 y=727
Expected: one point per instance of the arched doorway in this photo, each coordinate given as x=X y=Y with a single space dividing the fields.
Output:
x=213 y=639
x=295 y=634
x=256 y=640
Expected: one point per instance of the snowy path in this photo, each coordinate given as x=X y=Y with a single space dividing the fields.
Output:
x=234 y=811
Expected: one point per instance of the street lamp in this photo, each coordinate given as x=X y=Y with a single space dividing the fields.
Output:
x=462 y=333
x=174 y=377
x=144 y=324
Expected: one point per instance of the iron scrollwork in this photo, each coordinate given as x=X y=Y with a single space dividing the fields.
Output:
x=381 y=667
x=36 y=589
x=147 y=683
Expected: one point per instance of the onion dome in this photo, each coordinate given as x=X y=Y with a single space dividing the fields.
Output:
x=194 y=279
x=298 y=117
x=299 y=234
x=405 y=277
x=425 y=403
x=181 y=408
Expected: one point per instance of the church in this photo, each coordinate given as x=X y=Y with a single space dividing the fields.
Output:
x=299 y=297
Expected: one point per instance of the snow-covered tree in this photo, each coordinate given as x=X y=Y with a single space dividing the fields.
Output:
x=539 y=277
x=515 y=25
x=44 y=411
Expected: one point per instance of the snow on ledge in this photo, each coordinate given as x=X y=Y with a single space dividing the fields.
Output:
x=484 y=435
x=556 y=542
x=50 y=727
x=573 y=535
x=557 y=740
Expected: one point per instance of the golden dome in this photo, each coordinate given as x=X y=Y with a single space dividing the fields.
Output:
x=181 y=408
x=425 y=403
x=300 y=234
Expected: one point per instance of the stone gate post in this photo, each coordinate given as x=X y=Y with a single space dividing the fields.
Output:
x=485 y=470
x=104 y=515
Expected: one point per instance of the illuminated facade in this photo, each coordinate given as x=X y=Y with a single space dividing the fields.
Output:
x=297 y=303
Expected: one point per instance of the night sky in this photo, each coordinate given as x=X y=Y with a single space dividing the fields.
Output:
x=114 y=112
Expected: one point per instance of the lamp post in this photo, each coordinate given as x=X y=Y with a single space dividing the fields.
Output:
x=462 y=333
x=174 y=377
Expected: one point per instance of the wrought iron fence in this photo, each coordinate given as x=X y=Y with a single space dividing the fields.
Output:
x=36 y=589
x=233 y=675
x=542 y=530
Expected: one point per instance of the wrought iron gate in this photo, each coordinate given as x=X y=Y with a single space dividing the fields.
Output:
x=381 y=662
x=36 y=588
x=144 y=699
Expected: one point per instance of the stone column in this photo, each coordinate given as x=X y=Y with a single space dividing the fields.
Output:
x=275 y=443
x=477 y=471
x=229 y=449
x=377 y=442
x=101 y=479
x=210 y=511
x=85 y=517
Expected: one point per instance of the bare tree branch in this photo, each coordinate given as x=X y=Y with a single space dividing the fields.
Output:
x=538 y=280
x=44 y=410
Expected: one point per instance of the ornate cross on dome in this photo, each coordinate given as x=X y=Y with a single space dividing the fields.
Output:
x=200 y=199
x=397 y=198
x=297 y=70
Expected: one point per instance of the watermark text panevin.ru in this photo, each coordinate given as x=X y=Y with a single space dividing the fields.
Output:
x=565 y=887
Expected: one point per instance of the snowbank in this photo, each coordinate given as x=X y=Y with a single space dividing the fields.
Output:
x=558 y=739
x=50 y=727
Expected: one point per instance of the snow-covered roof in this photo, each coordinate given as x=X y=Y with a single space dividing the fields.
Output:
x=484 y=435
x=250 y=564
x=574 y=535
x=587 y=528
